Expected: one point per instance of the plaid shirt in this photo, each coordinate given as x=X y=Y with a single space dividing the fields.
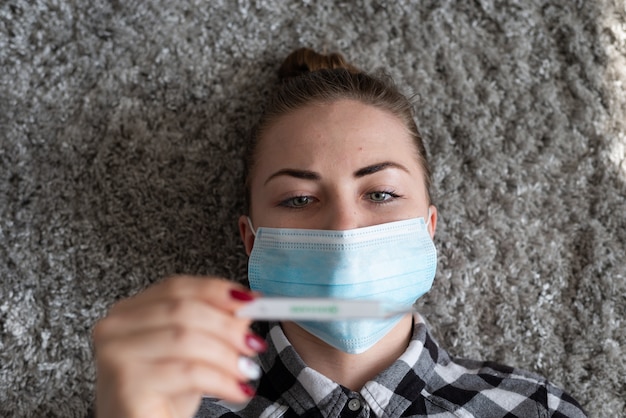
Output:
x=424 y=381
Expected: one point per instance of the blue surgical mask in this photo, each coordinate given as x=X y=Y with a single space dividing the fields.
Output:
x=393 y=262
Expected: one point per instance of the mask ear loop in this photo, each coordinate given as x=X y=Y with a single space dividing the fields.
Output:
x=252 y=228
x=427 y=220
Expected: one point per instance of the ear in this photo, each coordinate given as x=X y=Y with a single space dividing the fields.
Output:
x=247 y=237
x=432 y=226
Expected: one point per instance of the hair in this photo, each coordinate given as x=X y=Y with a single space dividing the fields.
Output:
x=307 y=77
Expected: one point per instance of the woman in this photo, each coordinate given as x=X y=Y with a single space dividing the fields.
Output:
x=338 y=176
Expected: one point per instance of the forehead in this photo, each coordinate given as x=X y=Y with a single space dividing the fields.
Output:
x=345 y=131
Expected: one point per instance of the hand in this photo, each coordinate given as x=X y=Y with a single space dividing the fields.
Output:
x=158 y=352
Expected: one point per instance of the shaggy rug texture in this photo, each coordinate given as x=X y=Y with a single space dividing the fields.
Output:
x=122 y=126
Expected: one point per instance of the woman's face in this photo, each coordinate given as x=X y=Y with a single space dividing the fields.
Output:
x=336 y=166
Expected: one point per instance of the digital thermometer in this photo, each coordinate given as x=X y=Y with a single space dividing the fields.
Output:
x=315 y=309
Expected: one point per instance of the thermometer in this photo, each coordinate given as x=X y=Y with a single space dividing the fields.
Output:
x=315 y=309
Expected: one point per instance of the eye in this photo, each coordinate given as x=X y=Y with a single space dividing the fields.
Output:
x=381 y=196
x=297 y=202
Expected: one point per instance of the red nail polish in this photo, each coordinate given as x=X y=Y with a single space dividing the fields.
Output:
x=241 y=295
x=247 y=389
x=256 y=343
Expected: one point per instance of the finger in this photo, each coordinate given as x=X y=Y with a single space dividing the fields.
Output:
x=220 y=293
x=186 y=405
x=189 y=313
x=176 y=379
x=181 y=317
x=175 y=345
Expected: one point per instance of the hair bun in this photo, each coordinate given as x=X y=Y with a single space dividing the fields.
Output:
x=305 y=60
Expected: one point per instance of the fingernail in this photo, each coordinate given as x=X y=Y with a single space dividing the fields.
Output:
x=247 y=389
x=249 y=368
x=256 y=343
x=241 y=295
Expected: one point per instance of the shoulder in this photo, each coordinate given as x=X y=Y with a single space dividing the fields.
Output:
x=256 y=407
x=212 y=408
x=477 y=387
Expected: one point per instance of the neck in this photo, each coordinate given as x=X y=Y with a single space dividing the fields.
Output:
x=350 y=370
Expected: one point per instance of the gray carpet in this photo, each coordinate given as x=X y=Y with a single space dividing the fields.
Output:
x=122 y=124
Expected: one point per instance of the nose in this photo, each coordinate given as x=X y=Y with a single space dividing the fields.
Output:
x=341 y=215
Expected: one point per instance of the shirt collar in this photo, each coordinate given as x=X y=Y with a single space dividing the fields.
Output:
x=303 y=388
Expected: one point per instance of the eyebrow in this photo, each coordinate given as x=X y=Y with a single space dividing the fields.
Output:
x=312 y=175
x=375 y=168
x=292 y=172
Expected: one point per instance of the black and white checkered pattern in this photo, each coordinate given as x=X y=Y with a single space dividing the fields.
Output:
x=424 y=381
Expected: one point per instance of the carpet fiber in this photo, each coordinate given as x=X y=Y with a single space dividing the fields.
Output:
x=122 y=125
